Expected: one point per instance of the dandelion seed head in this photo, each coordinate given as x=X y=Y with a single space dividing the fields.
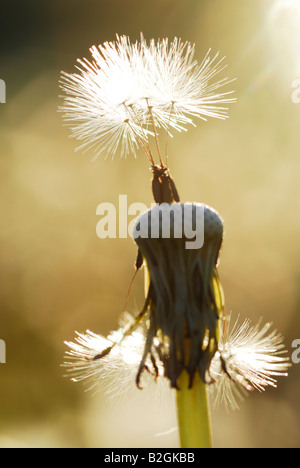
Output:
x=109 y=103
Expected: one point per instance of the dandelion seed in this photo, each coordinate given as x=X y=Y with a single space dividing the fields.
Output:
x=81 y=364
x=116 y=101
x=253 y=357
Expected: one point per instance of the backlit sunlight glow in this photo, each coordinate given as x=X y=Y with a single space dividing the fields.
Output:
x=293 y=6
x=284 y=17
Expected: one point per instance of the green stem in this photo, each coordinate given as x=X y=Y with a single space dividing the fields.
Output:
x=192 y=405
x=193 y=413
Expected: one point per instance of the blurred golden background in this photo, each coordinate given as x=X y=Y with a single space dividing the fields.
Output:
x=56 y=276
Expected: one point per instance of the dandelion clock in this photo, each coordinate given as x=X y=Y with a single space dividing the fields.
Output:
x=128 y=96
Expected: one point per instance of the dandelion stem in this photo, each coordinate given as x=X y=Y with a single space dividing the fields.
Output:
x=167 y=133
x=155 y=132
x=149 y=155
x=145 y=146
x=193 y=413
x=192 y=403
